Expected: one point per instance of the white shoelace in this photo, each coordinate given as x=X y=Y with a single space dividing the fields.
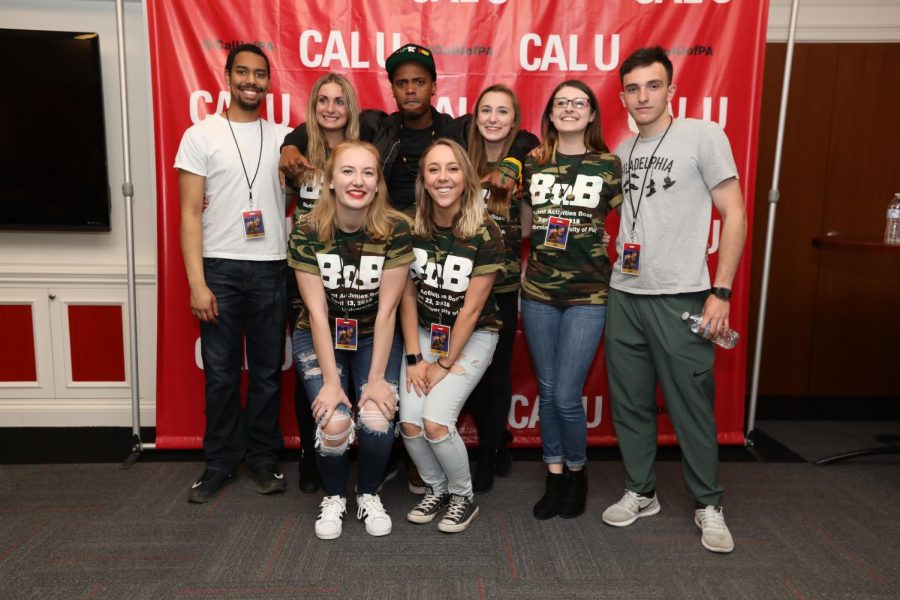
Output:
x=331 y=508
x=428 y=502
x=630 y=501
x=711 y=518
x=457 y=508
x=370 y=505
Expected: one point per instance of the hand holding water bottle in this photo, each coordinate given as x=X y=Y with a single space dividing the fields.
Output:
x=727 y=340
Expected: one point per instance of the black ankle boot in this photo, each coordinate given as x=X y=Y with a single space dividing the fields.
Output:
x=484 y=472
x=548 y=506
x=575 y=498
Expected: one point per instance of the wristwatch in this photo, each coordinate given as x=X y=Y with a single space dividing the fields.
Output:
x=722 y=293
x=413 y=359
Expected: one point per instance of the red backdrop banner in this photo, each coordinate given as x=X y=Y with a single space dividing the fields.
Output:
x=717 y=47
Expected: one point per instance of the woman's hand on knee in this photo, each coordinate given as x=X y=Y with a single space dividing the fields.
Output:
x=435 y=374
x=382 y=395
x=415 y=378
x=328 y=399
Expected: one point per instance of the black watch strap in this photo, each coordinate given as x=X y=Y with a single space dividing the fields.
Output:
x=413 y=359
x=722 y=293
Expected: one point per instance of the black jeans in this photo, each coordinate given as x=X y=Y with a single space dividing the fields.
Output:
x=490 y=401
x=251 y=301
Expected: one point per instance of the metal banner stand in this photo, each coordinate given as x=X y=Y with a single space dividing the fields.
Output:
x=770 y=229
x=128 y=192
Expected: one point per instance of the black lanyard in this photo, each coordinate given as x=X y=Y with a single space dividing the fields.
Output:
x=403 y=160
x=635 y=209
x=337 y=241
x=240 y=156
x=440 y=276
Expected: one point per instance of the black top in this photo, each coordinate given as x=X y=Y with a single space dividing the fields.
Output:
x=383 y=130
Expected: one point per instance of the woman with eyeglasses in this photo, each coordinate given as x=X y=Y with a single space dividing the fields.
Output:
x=568 y=192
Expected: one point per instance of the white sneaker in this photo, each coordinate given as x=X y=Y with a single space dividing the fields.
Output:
x=378 y=522
x=629 y=509
x=716 y=537
x=331 y=516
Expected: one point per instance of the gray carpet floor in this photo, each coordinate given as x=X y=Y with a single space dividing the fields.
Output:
x=97 y=531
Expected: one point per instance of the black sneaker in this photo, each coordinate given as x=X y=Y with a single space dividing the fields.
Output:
x=460 y=513
x=310 y=481
x=428 y=507
x=269 y=479
x=209 y=484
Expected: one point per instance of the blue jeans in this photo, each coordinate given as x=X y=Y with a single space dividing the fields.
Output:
x=374 y=445
x=251 y=299
x=562 y=340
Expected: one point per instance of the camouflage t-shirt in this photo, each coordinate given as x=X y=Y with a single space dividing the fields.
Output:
x=350 y=267
x=443 y=268
x=569 y=200
x=511 y=229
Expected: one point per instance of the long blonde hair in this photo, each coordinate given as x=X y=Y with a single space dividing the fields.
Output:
x=471 y=214
x=316 y=146
x=499 y=198
x=380 y=219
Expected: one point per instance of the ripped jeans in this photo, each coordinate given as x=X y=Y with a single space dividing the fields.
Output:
x=444 y=463
x=376 y=437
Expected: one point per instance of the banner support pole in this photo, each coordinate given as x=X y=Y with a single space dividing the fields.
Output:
x=774 y=196
x=128 y=193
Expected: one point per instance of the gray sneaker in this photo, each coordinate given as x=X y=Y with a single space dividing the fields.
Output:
x=629 y=509
x=716 y=537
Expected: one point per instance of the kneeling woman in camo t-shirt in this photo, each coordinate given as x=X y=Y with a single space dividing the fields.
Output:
x=450 y=327
x=351 y=255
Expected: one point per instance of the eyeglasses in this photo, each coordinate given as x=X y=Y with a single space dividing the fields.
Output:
x=563 y=103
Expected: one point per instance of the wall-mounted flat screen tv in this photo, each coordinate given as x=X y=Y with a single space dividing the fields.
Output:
x=53 y=168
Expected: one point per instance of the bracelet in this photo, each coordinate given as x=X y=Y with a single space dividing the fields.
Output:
x=511 y=168
x=508 y=172
x=441 y=365
x=512 y=163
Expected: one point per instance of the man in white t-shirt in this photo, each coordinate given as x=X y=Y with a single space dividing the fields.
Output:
x=673 y=172
x=234 y=248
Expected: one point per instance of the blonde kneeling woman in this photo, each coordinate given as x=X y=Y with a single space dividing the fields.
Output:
x=351 y=255
x=450 y=324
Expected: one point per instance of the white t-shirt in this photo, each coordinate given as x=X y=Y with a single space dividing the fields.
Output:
x=208 y=149
x=673 y=217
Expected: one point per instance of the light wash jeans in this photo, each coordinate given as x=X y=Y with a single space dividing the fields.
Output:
x=444 y=464
x=562 y=340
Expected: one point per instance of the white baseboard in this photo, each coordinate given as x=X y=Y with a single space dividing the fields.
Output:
x=52 y=412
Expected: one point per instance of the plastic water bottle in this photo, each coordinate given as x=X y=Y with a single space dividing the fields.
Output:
x=892 y=230
x=728 y=340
